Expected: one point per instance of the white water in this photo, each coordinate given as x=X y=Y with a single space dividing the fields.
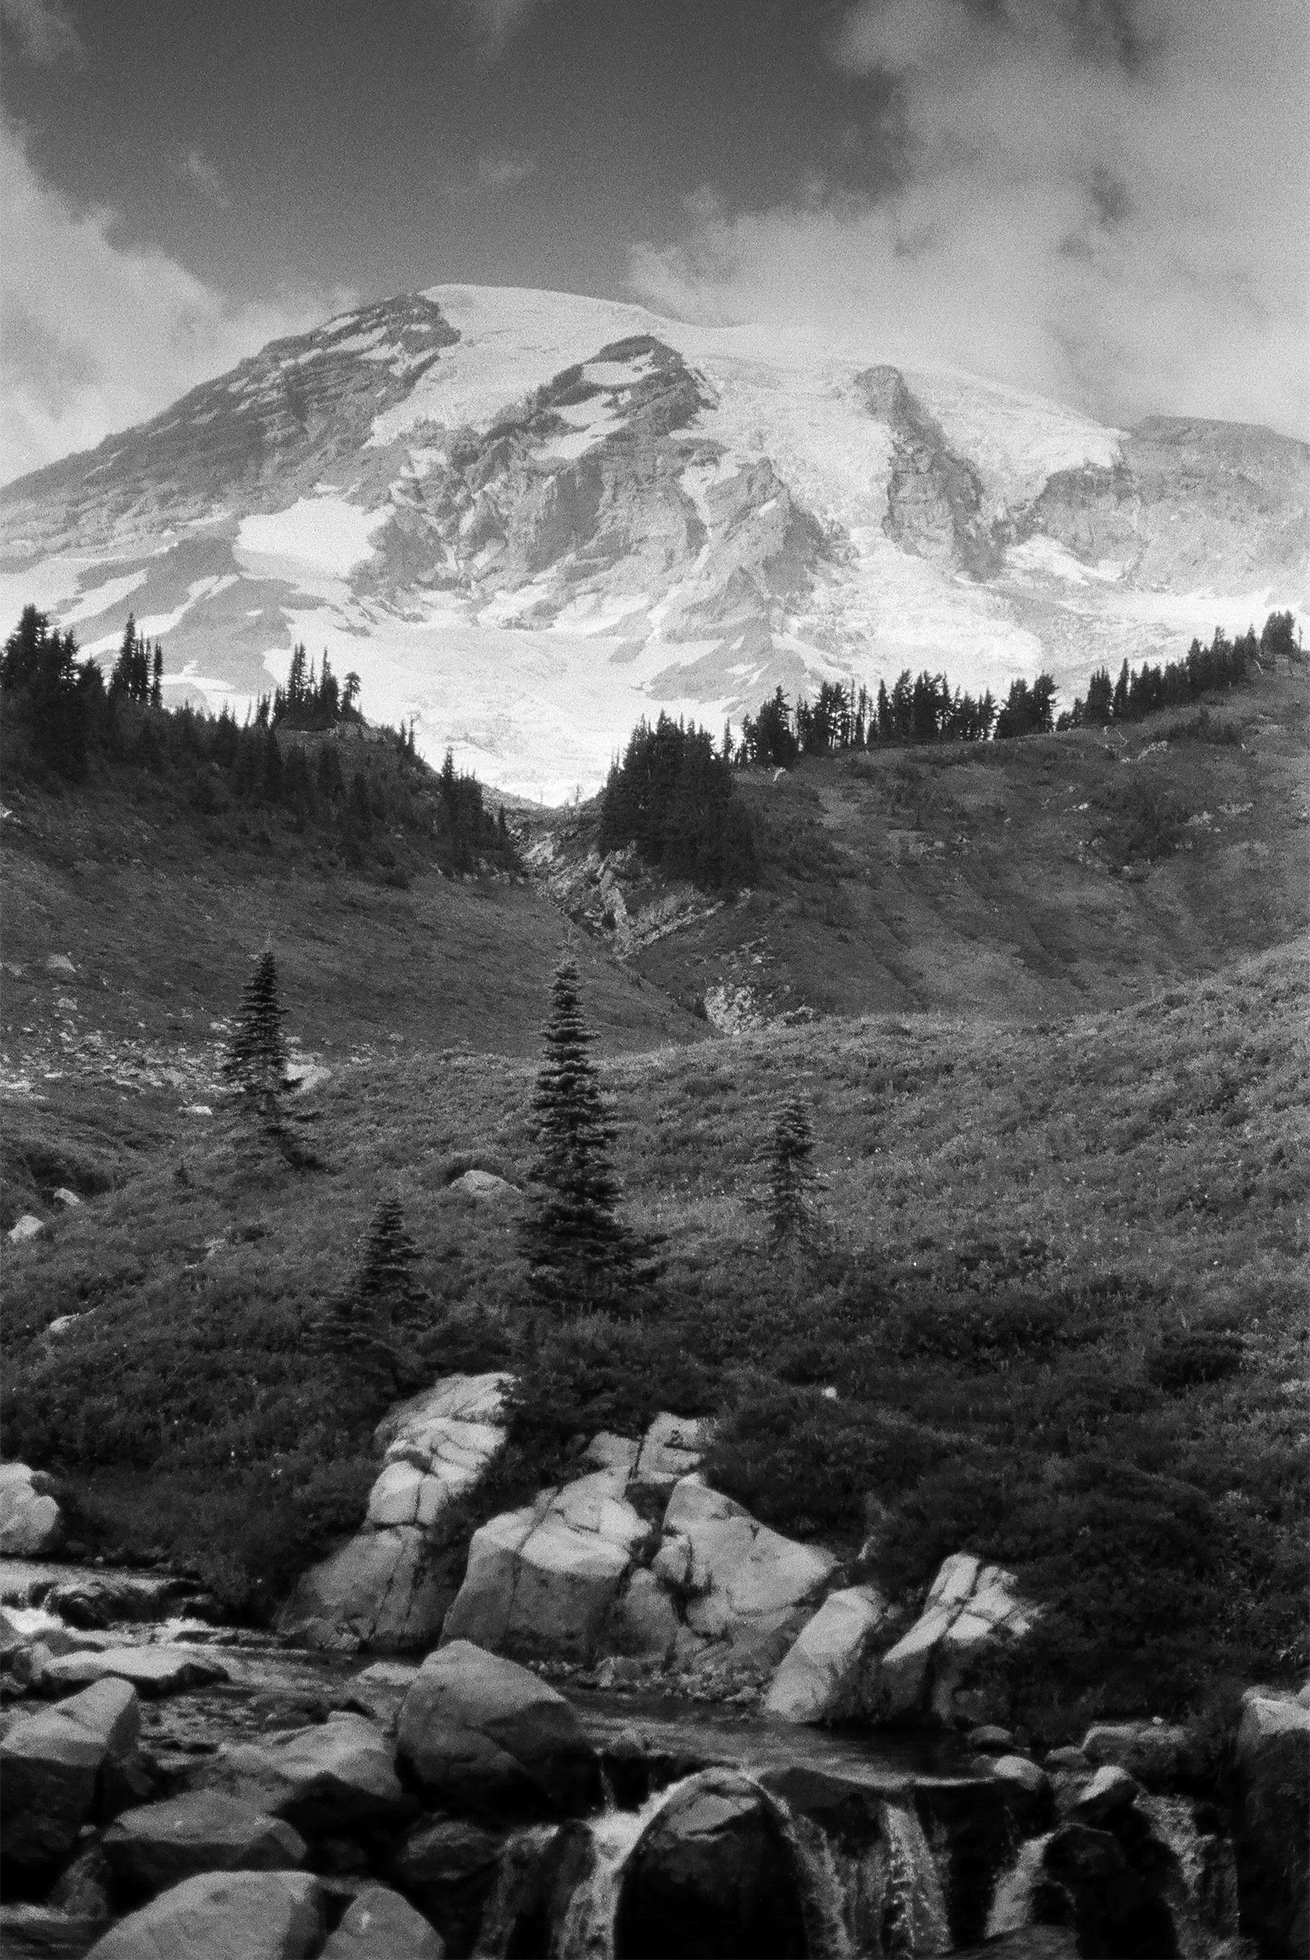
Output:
x=1012 y=1900
x=913 y=1916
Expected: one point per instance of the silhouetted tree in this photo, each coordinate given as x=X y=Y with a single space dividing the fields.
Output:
x=256 y=1060
x=792 y=1211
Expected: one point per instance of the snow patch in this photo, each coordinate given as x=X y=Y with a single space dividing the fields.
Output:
x=320 y=534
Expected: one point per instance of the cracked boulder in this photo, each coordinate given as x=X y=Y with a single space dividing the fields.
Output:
x=329 y=1779
x=542 y=1582
x=31 y=1522
x=53 y=1765
x=971 y=1611
x=390 y=1586
x=823 y=1676
x=738 y=1582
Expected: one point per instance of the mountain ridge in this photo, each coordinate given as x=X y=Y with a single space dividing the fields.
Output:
x=526 y=519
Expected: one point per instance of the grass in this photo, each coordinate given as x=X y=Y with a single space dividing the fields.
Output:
x=1040 y=1238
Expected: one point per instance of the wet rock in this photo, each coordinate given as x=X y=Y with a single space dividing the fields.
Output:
x=1066 y=1759
x=482 y=1733
x=1158 y=1754
x=1104 y=1795
x=710 y=1874
x=991 y=1740
x=1272 y=1816
x=822 y=1676
x=157 y=1845
x=643 y=1625
x=449 y=1867
x=152 y=1671
x=325 y=1780
x=1115 y=1912
x=971 y=1609
x=90 y=1602
x=30 y=1932
x=1019 y=1774
x=380 y=1925
x=541 y=1583
x=50 y=1768
x=31 y=1522
x=220 y=1915
x=83 y=1889
x=745 y=1585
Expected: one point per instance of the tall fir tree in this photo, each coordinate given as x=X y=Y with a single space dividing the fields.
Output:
x=793 y=1216
x=579 y=1252
x=256 y=1060
x=366 y=1329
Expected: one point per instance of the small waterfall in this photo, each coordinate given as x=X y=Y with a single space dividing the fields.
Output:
x=1012 y=1901
x=912 y=1911
x=586 y=1927
x=1201 y=1893
x=827 y=1904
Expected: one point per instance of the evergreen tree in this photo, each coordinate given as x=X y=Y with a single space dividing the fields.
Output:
x=366 y=1328
x=792 y=1213
x=578 y=1251
x=256 y=1061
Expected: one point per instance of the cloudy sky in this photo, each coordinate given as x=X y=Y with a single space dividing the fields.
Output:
x=1102 y=200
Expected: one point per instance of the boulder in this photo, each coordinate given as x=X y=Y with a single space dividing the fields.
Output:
x=325 y=1780
x=1158 y=1754
x=971 y=1608
x=380 y=1925
x=224 y=1916
x=31 y=1522
x=29 y=1226
x=152 y=1671
x=822 y=1676
x=450 y=1867
x=51 y=1765
x=484 y=1184
x=480 y=1732
x=156 y=1845
x=390 y=1587
x=1103 y=1796
x=1271 y=1777
x=95 y=1600
x=743 y=1583
x=383 y=1589
x=671 y=1449
x=541 y=1582
x=1020 y=1774
x=643 y=1625
x=710 y=1874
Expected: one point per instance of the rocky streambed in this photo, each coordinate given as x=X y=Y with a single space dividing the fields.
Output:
x=175 y=1787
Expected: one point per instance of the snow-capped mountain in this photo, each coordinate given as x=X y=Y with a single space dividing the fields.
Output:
x=527 y=518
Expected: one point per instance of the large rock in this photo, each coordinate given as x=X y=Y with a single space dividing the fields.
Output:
x=1272 y=1783
x=51 y=1766
x=643 y=1624
x=388 y=1590
x=671 y=1449
x=822 y=1678
x=541 y=1583
x=31 y=1522
x=742 y=1583
x=480 y=1732
x=390 y=1587
x=156 y=1845
x=331 y=1778
x=224 y=1916
x=152 y=1671
x=450 y=1867
x=710 y=1873
x=46 y=1933
x=380 y=1925
x=1159 y=1754
x=971 y=1610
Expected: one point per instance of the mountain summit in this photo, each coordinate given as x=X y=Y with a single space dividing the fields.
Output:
x=527 y=518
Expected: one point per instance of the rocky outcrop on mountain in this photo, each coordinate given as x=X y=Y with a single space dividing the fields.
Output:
x=390 y=1587
x=935 y=499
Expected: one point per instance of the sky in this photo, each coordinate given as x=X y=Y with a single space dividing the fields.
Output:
x=1103 y=201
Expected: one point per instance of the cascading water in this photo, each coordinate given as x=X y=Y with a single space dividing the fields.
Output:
x=585 y=1930
x=1201 y=1893
x=1012 y=1901
x=518 y=1891
x=912 y=1907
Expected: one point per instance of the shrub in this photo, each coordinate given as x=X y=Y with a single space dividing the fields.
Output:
x=1190 y=1357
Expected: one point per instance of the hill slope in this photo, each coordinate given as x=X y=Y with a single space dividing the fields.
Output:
x=522 y=516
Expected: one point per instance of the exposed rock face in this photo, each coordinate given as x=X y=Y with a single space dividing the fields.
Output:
x=380 y=1925
x=31 y=1522
x=51 y=1765
x=220 y=1915
x=710 y=1874
x=823 y=1676
x=154 y=1846
x=483 y=1733
x=336 y=1776
x=743 y=1584
x=934 y=497
x=542 y=1582
x=970 y=1609
x=390 y=1586
x=1272 y=1776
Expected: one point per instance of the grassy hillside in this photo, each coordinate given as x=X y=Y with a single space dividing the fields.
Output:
x=1062 y=1305
x=1018 y=880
